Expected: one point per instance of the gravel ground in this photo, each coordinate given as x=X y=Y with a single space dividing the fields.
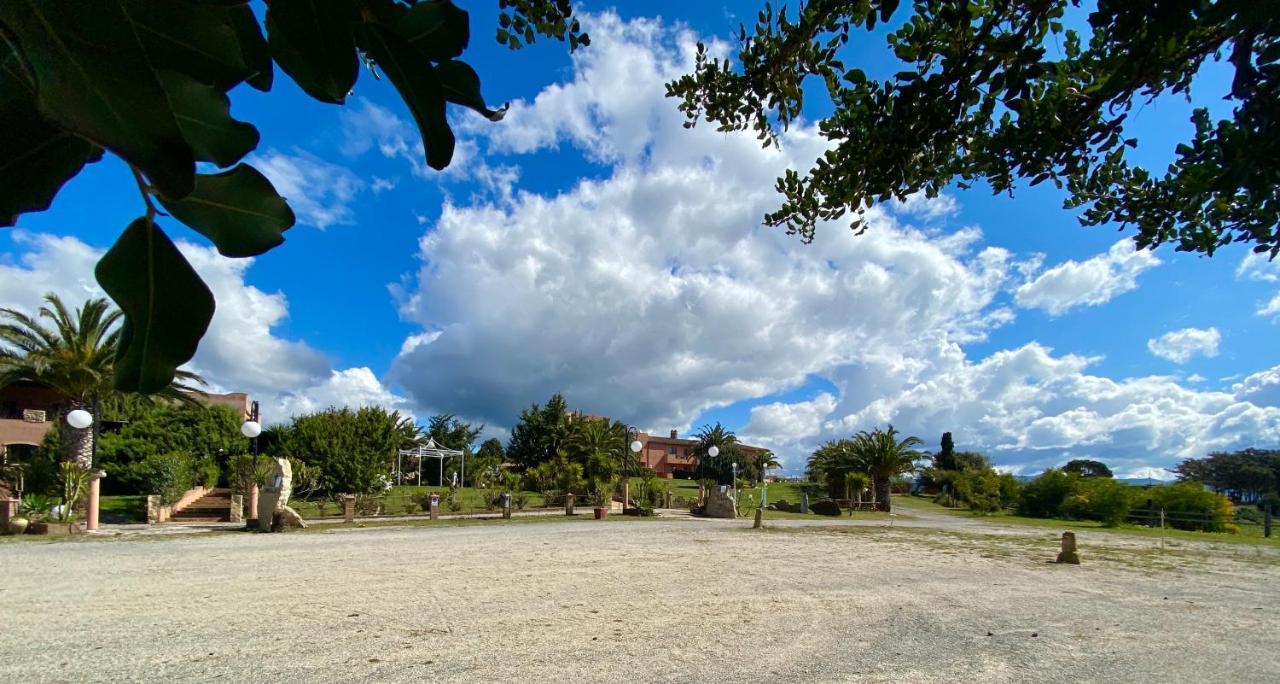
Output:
x=665 y=600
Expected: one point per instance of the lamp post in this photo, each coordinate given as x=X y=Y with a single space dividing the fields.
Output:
x=252 y=428
x=81 y=419
x=635 y=447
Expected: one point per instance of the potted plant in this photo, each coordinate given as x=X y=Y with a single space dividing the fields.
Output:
x=602 y=497
x=33 y=509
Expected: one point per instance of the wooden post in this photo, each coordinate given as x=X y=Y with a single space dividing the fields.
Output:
x=759 y=518
x=1266 y=519
x=1162 y=529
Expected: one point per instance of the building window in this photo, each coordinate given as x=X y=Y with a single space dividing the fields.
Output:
x=671 y=450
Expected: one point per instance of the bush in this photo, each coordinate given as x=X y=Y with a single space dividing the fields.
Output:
x=978 y=489
x=1189 y=506
x=825 y=507
x=1044 y=496
x=168 y=475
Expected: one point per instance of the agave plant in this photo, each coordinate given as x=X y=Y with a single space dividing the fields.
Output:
x=36 y=507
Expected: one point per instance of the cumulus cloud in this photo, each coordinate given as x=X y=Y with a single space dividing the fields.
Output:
x=320 y=192
x=1180 y=346
x=653 y=293
x=240 y=352
x=1090 y=282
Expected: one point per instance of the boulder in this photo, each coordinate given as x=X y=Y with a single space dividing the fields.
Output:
x=719 y=504
x=825 y=507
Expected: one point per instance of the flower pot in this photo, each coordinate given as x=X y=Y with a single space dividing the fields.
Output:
x=18 y=525
x=601 y=513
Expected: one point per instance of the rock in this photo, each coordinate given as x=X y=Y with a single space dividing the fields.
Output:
x=1068 y=553
x=290 y=518
x=825 y=507
x=719 y=505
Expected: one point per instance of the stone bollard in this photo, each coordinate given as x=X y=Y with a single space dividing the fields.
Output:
x=568 y=504
x=804 y=503
x=153 y=509
x=668 y=499
x=237 y=508
x=506 y=506
x=1068 y=553
x=433 y=506
x=348 y=508
x=759 y=518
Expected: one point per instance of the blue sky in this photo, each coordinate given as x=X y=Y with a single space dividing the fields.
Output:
x=588 y=244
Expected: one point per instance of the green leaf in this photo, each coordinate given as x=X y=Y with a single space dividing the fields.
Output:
x=95 y=79
x=189 y=38
x=36 y=156
x=461 y=85
x=239 y=210
x=204 y=115
x=311 y=40
x=167 y=307
x=419 y=86
x=254 y=50
x=438 y=29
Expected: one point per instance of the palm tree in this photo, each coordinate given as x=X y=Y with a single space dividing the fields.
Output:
x=766 y=460
x=75 y=357
x=713 y=436
x=600 y=448
x=881 y=455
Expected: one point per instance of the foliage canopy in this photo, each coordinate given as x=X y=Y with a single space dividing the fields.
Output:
x=1008 y=91
x=150 y=83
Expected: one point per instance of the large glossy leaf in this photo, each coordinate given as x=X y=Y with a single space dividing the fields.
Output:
x=461 y=85
x=415 y=78
x=239 y=210
x=36 y=155
x=191 y=38
x=253 y=46
x=312 y=41
x=438 y=29
x=204 y=115
x=167 y=307
x=96 y=80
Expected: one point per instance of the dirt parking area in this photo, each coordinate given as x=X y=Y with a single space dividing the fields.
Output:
x=665 y=600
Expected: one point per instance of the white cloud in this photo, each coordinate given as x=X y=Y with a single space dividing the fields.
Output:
x=240 y=352
x=1261 y=388
x=1255 y=266
x=1149 y=473
x=1272 y=307
x=49 y=263
x=928 y=208
x=653 y=294
x=319 y=192
x=1090 y=282
x=352 y=387
x=1180 y=346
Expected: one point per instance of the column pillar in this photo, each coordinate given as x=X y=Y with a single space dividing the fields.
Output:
x=348 y=509
x=95 y=489
x=253 y=503
x=626 y=495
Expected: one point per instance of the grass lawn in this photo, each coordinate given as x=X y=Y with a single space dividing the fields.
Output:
x=122 y=509
x=1248 y=534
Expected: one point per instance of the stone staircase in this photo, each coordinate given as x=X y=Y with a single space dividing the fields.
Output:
x=214 y=506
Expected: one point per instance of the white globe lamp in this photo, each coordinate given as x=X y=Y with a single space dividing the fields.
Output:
x=636 y=446
x=713 y=451
x=80 y=419
x=250 y=429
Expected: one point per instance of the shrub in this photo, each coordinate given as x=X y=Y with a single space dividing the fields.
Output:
x=1044 y=496
x=36 y=507
x=1010 y=488
x=1189 y=506
x=977 y=489
x=167 y=475
x=520 y=499
x=1108 y=500
x=245 y=470
x=825 y=507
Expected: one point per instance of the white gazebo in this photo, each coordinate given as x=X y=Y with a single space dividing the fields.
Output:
x=428 y=450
